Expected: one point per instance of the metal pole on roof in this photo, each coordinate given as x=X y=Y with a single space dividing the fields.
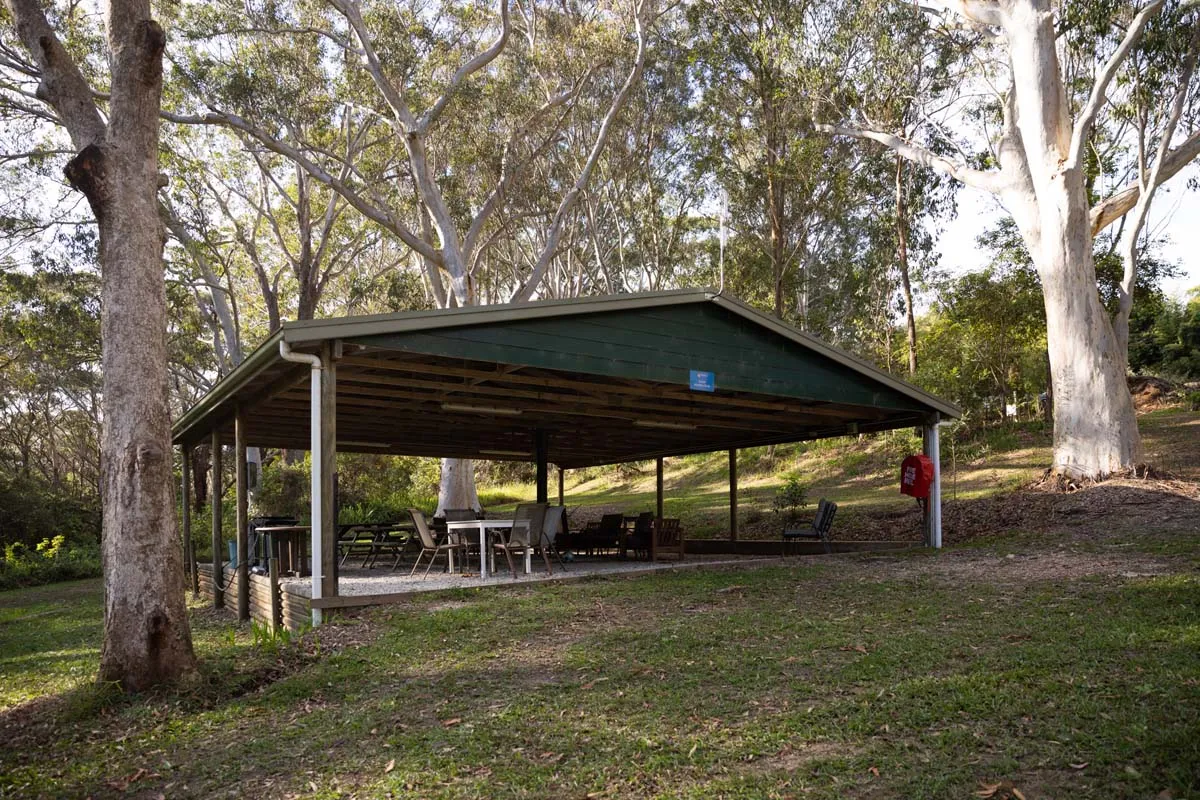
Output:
x=723 y=234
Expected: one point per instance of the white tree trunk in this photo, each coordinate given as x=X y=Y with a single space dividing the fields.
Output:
x=1095 y=426
x=457 y=488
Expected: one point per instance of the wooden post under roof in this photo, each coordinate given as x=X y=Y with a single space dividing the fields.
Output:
x=658 y=508
x=273 y=573
x=541 y=442
x=733 y=489
x=560 y=485
x=215 y=499
x=328 y=465
x=243 y=556
x=189 y=552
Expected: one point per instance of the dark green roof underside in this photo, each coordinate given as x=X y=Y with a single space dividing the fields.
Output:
x=605 y=379
x=660 y=345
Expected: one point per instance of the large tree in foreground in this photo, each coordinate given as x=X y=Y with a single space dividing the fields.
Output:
x=1057 y=66
x=146 y=635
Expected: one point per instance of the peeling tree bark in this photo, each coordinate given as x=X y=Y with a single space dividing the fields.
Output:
x=146 y=635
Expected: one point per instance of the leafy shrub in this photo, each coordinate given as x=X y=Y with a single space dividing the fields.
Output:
x=387 y=509
x=1193 y=401
x=53 y=559
x=789 y=499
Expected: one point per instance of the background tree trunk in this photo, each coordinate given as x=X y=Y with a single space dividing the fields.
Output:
x=457 y=488
x=910 y=318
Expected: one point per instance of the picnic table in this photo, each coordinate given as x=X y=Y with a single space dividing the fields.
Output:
x=484 y=526
x=373 y=539
x=287 y=544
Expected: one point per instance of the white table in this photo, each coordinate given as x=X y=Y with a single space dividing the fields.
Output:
x=483 y=525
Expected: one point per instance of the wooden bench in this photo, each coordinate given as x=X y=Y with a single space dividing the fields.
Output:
x=668 y=538
x=819 y=529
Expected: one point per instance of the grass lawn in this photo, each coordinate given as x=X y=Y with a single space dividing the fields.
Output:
x=1069 y=669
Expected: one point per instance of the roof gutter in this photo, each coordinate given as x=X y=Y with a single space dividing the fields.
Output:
x=314 y=426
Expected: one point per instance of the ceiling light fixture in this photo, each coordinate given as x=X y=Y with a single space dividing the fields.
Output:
x=516 y=453
x=508 y=412
x=670 y=426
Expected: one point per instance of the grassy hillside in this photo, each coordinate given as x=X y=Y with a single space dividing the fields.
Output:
x=861 y=474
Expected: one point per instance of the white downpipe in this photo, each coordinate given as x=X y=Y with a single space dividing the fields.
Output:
x=935 y=499
x=315 y=510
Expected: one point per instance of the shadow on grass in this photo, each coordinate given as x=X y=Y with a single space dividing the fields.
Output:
x=705 y=680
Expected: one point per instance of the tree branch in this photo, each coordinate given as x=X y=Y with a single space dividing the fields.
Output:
x=987 y=180
x=372 y=212
x=977 y=12
x=393 y=96
x=1149 y=183
x=525 y=291
x=62 y=85
x=1111 y=209
x=465 y=71
x=1099 y=94
x=509 y=171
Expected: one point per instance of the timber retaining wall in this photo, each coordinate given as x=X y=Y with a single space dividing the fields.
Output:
x=270 y=606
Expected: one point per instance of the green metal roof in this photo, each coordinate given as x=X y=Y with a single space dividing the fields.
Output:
x=608 y=376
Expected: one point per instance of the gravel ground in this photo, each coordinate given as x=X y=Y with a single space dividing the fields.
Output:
x=383 y=581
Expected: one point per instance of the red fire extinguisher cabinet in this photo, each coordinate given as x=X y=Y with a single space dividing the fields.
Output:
x=916 y=476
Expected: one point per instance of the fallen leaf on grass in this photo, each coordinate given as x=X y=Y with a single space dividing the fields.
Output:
x=999 y=791
x=874 y=771
x=858 y=648
x=450 y=723
x=391 y=765
x=1080 y=765
x=737 y=587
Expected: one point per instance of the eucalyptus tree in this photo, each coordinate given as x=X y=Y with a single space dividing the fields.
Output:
x=455 y=108
x=115 y=166
x=816 y=236
x=1055 y=78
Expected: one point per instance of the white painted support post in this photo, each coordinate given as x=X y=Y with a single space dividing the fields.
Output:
x=936 y=492
x=933 y=451
x=315 y=510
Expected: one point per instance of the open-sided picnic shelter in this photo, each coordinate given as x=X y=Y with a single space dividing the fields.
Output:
x=573 y=383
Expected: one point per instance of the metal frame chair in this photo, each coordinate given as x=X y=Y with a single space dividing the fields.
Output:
x=529 y=517
x=430 y=545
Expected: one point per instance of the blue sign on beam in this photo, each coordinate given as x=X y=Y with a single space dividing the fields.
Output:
x=703 y=381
